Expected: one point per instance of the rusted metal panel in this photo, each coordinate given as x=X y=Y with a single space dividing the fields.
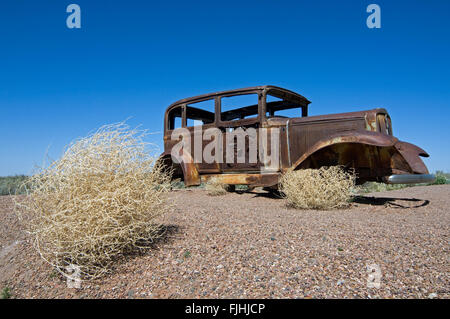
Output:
x=362 y=141
x=183 y=166
x=411 y=153
x=345 y=138
x=251 y=179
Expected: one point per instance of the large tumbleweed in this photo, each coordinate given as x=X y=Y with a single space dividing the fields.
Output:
x=327 y=187
x=98 y=201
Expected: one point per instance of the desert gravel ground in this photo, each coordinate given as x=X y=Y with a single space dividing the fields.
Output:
x=251 y=246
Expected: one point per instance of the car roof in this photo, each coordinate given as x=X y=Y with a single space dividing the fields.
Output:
x=237 y=91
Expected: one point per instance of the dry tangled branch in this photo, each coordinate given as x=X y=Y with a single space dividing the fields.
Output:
x=96 y=202
x=327 y=187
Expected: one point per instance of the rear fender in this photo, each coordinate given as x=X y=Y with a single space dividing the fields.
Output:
x=190 y=173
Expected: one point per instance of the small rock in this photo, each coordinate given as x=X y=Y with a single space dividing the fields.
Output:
x=340 y=282
x=432 y=295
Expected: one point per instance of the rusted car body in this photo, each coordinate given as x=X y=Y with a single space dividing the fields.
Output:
x=362 y=141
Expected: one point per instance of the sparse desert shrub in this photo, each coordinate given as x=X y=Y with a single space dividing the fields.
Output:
x=440 y=179
x=11 y=185
x=97 y=202
x=177 y=184
x=215 y=188
x=442 y=173
x=323 y=188
x=5 y=293
x=373 y=187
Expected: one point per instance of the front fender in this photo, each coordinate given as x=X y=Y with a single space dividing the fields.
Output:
x=411 y=154
x=367 y=138
x=372 y=154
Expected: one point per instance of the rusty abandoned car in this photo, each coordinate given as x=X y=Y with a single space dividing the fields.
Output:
x=362 y=141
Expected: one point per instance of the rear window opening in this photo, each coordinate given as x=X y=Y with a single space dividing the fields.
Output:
x=175 y=118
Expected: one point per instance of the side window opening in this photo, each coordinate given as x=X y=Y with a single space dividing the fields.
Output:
x=200 y=113
x=239 y=107
x=279 y=107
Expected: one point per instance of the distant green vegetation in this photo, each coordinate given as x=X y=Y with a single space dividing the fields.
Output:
x=441 y=178
x=10 y=185
x=179 y=184
x=372 y=187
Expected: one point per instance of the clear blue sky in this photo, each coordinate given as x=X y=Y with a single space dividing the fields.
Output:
x=134 y=58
